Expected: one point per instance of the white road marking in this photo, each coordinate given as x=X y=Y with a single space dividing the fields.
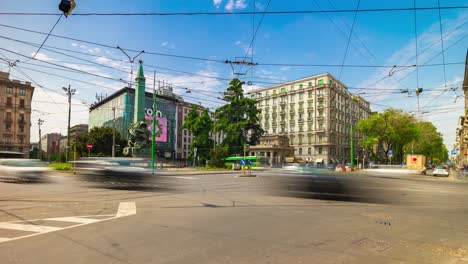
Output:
x=29 y=228
x=74 y=220
x=127 y=208
x=185 y=177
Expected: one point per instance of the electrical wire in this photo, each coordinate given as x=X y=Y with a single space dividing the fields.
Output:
x=349 y=39
x=371 y=10
x=442 y=44
x=50 y=32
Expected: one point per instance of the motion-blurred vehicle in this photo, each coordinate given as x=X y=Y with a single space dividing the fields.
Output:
x=340 y=167
x=23 y=169
x=331 y=166
x=372 y=165
x=113 y=169
x=440 y=170
x=293 y=166
x=320 y=166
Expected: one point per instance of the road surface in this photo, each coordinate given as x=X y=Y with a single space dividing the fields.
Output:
x=223 y=218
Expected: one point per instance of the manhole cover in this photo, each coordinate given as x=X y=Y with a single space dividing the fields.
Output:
x=372 y=244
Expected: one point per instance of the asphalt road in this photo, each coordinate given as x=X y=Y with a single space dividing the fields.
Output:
x=277 y=217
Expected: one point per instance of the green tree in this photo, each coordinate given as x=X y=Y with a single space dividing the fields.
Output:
x=391 y=130
x=238 y=119
x=101 y=138
x=200 y=126
x=429 y=143
x=217 y=156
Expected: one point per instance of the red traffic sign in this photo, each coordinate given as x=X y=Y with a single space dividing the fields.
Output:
x=89 y=146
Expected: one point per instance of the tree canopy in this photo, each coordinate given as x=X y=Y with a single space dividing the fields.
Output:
x=200 y=125
x=401 y=132
x=101 y=138
x=238 y=119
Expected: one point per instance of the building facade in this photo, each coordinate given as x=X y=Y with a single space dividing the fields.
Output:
x=461 y=141
x=273 y=148
x=122 y=102
x=316 y=113
x=50 y=144
x=15 y=115
x=74 y=132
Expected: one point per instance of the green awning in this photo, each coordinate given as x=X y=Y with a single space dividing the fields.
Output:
x=240 y=158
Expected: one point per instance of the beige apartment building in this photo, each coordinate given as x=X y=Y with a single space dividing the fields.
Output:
x=15 y=114
x=316 y=113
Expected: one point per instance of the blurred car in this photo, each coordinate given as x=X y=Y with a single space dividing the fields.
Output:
x=440 y=170
x=23 y=169
x=372 y=165
x=331 y=166
x=320 y=166
x=113 y=169
x=340 y=167
x=348 y=165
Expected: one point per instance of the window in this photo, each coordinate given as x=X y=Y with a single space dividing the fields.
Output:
x=282 y=90
x=320 y=81
x=301 y=96
x=8 y=116
x=309 y=151
x=185 y=140
x=310 y=84
x=185 y=110
x=320 y=150
x=21 y=117
x=21 y=103
x=274 y=130
x=267 y=93
x=9 y=90
x=309 y=94
x=291 y=97
x=292 y=129
x=292 y=141
x=292 y=88
x=300 y=86
x=320 y=139
x=300 y=151
x=21 y=128
x=309 y=139
x=331 y=81
x=8 y=127
x=274 y=101
x=23 y=91
x=300 y=140
x=9 y=101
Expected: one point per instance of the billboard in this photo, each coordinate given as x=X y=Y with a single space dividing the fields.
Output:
x=161 y=125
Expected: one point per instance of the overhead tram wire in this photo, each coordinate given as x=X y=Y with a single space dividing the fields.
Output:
x=424 y=50
x=47 y=36
x=256 y=31
x=442 y=44
x=285 y=12
x=349 y=39
x=58 y=65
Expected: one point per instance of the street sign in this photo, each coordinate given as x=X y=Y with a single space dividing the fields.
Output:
x=390 y=153
x=454 y=152
x=89 y=146
x=242 y=162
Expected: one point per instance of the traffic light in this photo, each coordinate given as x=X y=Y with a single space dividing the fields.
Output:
x=418 y=91
x=66 y=6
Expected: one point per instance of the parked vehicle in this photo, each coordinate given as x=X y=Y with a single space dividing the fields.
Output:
x=441 y=170
x=331 y=166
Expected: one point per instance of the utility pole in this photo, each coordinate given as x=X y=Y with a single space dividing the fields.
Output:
x=113 y=133
x=153 y=130
x=352 y=146
x=40 y=122
x=70 y=92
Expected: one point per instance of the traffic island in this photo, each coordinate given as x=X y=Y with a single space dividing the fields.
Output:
x=247 y=175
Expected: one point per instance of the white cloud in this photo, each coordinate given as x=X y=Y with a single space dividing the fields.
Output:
x=235 y=4
x=94 y=50
x=246 y=49
x=168 y=45
x=240 y=4
x=285 y=68
x=74 y=44
x=43 y=57
x=217 y=3
x=164 y=44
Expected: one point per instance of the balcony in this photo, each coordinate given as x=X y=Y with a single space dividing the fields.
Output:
x=282 y=102
x=319 y=117
x=321 y=106
x=273 y=124
x=301 y=109
x=22 y=121
x=301 y=120
x=292 y=121
x=8 y=120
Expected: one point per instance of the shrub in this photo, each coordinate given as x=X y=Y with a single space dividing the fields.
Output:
x=60 y=166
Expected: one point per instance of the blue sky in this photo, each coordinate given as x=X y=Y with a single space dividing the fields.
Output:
x=380 y=38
